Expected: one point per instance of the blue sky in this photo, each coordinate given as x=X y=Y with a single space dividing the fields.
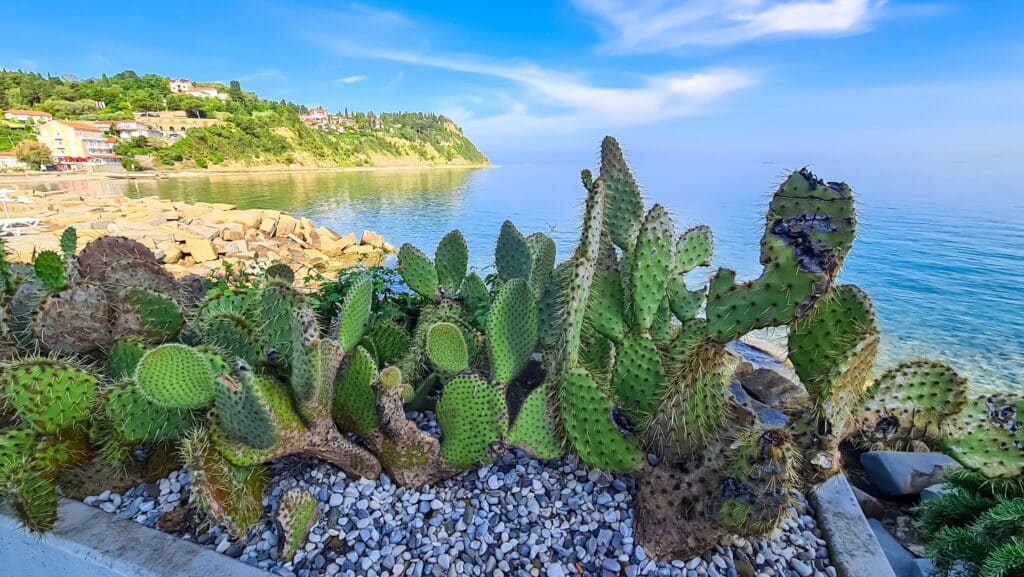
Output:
x=899 y=80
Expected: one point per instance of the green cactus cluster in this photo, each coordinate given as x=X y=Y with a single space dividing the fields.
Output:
x=615 y=354
x=79 y=305
x=50 y=403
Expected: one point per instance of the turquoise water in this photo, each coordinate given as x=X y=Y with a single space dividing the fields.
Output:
x=941 y=253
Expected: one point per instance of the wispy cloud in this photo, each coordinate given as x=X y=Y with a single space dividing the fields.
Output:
x=567 y=101
x=265 y=74
x=394 y=82
x=352 y=79
x=660 y=25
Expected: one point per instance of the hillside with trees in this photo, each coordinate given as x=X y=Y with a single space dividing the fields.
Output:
x=254 y=131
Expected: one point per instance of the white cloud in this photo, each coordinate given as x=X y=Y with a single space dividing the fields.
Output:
x=568 y=101
x=352 y=79
x=660 y=25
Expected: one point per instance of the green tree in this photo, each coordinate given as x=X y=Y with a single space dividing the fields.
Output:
x=33 y=153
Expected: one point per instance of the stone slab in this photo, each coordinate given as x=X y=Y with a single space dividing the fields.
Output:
x=901 y=560
x=897 y=473
x=89 y=543
x=855 y=550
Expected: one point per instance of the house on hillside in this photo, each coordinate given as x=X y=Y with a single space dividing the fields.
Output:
x=185 y=86
x=77 y=144
x=128 y=129
x=33 y=116
x=9 y=160
x=317 y=118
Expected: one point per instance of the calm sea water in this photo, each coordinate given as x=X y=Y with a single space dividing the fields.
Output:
x=942 y=255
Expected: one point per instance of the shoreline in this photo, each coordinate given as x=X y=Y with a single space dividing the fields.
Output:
x=39 y=177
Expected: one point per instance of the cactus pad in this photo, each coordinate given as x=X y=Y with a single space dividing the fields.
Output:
x=596 y=429
x=69 y=242
x=543 y=251
x=98 y=255
x=146 y=314
x=417 y=271
x=476 y=300
x=473 y=419
x=139 y=420
x=605 y=309
x=232 y=334
x=912 y=402
x=176 y=376
x=987 y=436
x=650 y=266
x=639 y=377
x=511 y=330
x=355 y=404
x=512 y=255
x=32 y=495
x=451 y=260
x=446 y=349
x=534 y=430
x=756 y=494
x=122 y=358
x=47 y=395
x=230 y=496
x=296 y=515
x=74 y=321
x=280 y=272
x=50 y=270
x=355 y=311
x=278 y=304
x=390 y=341
x=625 y=209
x=241 y=411
x=808 y=231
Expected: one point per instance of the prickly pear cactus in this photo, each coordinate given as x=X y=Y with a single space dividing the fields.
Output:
x=987 y=435
x=809 y=229
x=594 y=426
x=136 y=419
x=242 y=412
x=355 y=403
x=176 y=376
x=474 y=418
x=446 y=349
x=760 y=475
x=47 y=394
x=296 y=515
x=50 y=270
x=122 y=358
x=451 y=261
x=535 y=430
x=231 y=496
x=915 y=401
x=417 y=271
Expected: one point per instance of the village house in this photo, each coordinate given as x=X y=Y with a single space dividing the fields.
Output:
x=33 y=116
x=317 y=118
x=128 y=129
x=9 y=160
x=185 y=86
x=76 y=144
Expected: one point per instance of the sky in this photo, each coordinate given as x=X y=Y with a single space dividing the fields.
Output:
x=886 y=81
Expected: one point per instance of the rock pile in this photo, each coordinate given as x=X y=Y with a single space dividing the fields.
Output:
x=190 y=238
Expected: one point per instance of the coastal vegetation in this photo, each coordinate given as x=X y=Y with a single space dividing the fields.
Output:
x=253 y=131
x=613 y=356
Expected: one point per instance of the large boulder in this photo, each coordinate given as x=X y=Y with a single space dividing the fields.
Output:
x=768 y=379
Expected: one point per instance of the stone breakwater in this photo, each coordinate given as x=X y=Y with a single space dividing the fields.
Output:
x=189 y=238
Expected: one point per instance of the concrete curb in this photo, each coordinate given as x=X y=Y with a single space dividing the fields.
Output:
x=855 y=550
x=89 y=543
